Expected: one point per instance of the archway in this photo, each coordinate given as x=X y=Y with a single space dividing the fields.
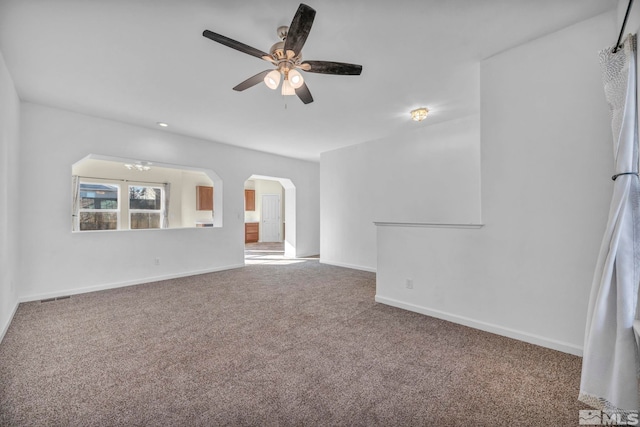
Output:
x=289 y=192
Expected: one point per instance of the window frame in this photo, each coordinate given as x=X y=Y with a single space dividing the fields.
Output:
x=160 y=211
x=82 y=210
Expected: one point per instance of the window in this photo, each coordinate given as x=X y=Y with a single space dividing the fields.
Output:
x=98 y=206
x=145 y=207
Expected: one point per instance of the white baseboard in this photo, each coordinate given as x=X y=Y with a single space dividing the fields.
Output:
x=5 y=327
x=484 y=326
x=352 y=266
x=102 y=287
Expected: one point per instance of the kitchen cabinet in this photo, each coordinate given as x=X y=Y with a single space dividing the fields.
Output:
x=204 y=198
x=249 y=200
x=251 y=232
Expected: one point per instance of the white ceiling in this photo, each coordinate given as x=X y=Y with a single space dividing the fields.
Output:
x=145 y=61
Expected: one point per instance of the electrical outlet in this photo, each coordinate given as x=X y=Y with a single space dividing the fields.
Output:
x=157 y=261
x=409 y=284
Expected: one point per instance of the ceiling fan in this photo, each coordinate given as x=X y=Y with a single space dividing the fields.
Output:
x=286 y=55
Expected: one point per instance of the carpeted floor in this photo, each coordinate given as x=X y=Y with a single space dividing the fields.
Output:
x=279 y=344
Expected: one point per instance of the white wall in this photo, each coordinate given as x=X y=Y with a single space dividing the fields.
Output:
x=546 y=167
x=187 y=194
x=9 y=218
x=427 y=174
x=55 y=261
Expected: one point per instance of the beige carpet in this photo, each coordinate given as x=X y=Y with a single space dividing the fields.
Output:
x=296 y=343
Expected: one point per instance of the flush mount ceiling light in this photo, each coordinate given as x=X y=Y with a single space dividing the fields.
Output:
x=419 y=114
x=139 y=166
x=162 y=124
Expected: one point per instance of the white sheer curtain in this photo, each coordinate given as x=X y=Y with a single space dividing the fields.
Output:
x=610 y=365
x=167 y=197
x=75 y=190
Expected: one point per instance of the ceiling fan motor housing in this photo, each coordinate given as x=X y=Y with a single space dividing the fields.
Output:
x=277 y=51
x=284 y=63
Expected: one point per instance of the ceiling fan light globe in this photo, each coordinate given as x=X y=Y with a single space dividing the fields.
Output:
x=295 y=79
x=272 y=80
x=287 y=89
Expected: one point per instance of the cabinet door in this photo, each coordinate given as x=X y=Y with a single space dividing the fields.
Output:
x=204 y=198
x=251 y=232
x=249 y=200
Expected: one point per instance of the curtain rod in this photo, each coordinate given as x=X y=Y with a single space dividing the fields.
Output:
x=624 y=24
x=122 y=180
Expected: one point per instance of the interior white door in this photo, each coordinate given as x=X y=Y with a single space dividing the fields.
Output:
x=270 y=218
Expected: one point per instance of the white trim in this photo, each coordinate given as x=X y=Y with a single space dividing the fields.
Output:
x=160 y=211
x=38 y=297
x=80 y=210
x=426 y=225
x=484 y=326
x=352 y=266
x=5 y=327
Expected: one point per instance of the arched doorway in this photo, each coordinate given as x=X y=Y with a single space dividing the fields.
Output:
x=287 y=221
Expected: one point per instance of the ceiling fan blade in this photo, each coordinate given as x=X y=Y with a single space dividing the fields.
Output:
x=304 y=94
x=329 y=67
x=252 y=81
x=299 y=29
x=236 y=45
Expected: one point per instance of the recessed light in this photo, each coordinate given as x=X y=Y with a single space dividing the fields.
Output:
x=162 y=124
